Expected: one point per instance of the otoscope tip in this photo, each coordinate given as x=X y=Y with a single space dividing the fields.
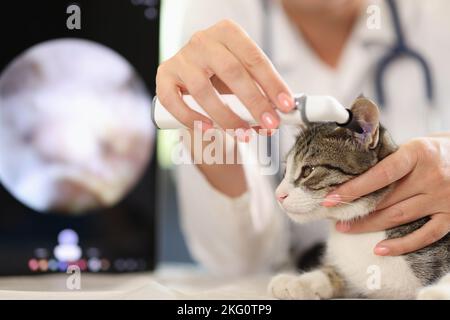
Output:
x=352 y=124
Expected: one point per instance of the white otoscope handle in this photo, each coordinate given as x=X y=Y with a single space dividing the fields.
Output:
x=308 y=109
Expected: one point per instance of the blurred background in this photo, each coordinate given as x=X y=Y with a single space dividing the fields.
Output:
x=84 y=177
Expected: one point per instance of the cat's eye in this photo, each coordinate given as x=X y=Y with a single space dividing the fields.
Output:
x=306 y=171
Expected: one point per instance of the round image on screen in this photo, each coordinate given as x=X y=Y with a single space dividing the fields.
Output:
x=75 y=127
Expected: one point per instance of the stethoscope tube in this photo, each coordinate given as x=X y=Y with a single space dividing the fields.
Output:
x=400 y=50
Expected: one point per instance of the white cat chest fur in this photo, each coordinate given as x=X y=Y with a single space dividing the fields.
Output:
x=353 y=255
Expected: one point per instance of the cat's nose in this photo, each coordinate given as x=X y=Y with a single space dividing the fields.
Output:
x=281 y=197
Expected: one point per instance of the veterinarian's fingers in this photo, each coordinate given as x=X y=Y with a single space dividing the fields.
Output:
x=387 y=171
x=201 y=88
x=255 y=62
x=405 y=188
x=432 y=231
x=220 y=86
x=223 y=63
x=169 y=95
x=403 y=212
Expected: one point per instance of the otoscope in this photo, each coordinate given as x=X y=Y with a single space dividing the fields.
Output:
x=308 y=109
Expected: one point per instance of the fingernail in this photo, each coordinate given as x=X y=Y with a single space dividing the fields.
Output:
x=343 y=226
x=269 y=121
x=331 y=200
x=286 y=102
x=202 y=125
x=381 y=250
x=243 y=135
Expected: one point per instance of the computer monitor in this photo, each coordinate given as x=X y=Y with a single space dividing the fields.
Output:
x=114 y=230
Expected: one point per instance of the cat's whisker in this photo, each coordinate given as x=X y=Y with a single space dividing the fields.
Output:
x=319 y=200
x=349 y=196
x=338 y=201
x=306 y=203
x=343 y=197
x=346 y=203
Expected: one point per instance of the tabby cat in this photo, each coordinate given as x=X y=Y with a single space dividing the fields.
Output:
x=323 y=157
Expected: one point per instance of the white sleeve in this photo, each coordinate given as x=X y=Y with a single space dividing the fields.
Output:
x=226 y=235
x=232 y=235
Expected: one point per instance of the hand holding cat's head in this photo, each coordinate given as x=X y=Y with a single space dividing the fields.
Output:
x=325 y=156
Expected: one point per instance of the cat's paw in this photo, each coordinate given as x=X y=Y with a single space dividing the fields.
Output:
x=439 y=291
x=436 y=292
x=308 y=286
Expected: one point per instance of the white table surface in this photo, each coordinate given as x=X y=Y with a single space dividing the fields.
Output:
x=167 y=282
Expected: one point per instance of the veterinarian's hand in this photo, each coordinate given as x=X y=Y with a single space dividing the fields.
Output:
x=223 y=58
x=421 y=170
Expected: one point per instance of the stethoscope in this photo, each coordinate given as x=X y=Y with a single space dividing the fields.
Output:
x=399 y=50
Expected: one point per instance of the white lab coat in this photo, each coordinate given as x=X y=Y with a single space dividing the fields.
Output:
x=250 y=233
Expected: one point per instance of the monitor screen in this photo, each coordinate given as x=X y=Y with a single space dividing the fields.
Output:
x=77 y=162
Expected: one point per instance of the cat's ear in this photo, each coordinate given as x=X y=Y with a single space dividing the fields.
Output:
x=367 y=114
